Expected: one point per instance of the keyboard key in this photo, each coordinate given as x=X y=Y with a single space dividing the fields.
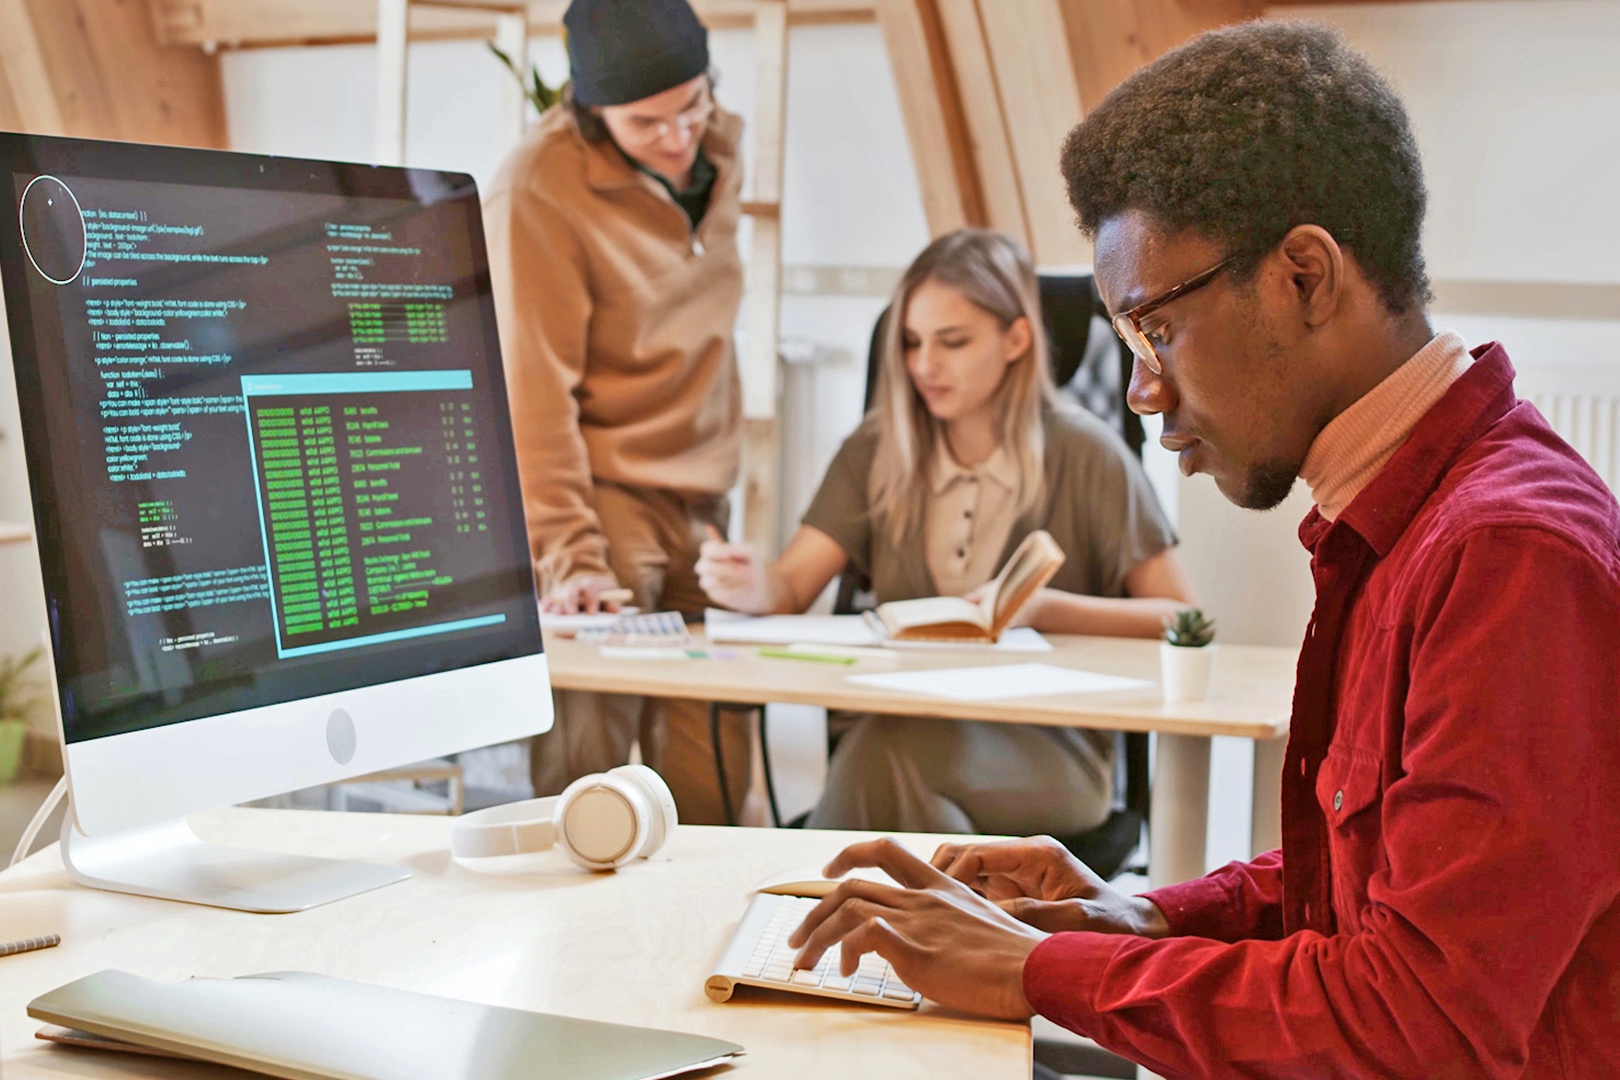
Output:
x=897 y=991
x=806 y=977
x=864 y=985
x=836 y=982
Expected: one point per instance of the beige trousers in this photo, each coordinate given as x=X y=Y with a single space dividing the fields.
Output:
x=924 y=774
x=653 y=539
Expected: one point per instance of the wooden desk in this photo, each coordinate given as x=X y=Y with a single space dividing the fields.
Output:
x=1251 y=695
x=632 y=947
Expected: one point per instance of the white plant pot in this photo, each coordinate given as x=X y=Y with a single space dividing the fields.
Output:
x=1185 y=670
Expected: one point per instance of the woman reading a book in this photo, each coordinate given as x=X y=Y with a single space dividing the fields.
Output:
x=964 y=455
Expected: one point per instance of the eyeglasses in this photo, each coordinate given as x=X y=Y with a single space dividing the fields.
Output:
x=1128 y=324
x=688 y=122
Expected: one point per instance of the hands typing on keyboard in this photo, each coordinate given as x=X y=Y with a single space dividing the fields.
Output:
x=929 y=936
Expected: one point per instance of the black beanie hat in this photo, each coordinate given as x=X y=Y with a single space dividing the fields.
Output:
x=626 y=50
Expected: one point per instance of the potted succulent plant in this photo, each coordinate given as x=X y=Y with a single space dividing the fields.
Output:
x=18 y=694
x=1185 y=655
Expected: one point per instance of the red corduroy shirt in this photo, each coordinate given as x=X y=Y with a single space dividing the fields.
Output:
x=1446 y=902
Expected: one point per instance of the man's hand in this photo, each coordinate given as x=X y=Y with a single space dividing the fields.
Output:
x=1039 y=882
x=943 y=940
x=583 y=593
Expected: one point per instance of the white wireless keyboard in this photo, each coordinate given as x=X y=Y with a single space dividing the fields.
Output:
x=759 y=955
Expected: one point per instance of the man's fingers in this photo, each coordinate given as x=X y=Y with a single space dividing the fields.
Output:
x=831 y=930
x=888 y=855
x=875 y=935
x=886 y=895
x=945 y=855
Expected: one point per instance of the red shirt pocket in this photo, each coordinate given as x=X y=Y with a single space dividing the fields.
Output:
x=1349 y=789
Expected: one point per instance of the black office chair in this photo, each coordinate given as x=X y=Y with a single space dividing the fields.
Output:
x=1067 y=305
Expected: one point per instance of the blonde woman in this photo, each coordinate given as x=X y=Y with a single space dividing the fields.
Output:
x=961 y=457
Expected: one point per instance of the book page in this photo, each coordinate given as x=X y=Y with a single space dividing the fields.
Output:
x=902 y=615
x=1029 y=568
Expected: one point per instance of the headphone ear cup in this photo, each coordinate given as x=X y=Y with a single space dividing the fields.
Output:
x=660 y=800
x=602 y=821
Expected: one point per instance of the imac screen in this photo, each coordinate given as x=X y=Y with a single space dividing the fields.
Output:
x=266 y=427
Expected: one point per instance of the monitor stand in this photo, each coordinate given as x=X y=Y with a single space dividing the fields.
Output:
x=168 y=861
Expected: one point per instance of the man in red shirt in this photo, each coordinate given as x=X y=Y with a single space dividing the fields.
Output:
x=1446 y=902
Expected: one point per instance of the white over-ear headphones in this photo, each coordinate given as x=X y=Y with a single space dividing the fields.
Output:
x=602 y=821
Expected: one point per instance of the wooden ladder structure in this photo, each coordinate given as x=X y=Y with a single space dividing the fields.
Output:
x=763 y=289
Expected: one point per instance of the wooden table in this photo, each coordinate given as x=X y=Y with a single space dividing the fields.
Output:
x=531 y=932
x=1251 y=694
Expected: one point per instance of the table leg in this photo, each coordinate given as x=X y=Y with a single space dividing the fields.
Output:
x=765 y=756
x=1266 y=811
x=1179 y=819
x=720 y=761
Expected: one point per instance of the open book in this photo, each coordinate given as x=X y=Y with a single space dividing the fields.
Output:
x=951 y=618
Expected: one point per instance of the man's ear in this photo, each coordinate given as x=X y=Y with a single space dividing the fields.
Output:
x=1314 y=263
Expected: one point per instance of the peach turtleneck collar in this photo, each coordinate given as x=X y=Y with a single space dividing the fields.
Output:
x=1355 y=445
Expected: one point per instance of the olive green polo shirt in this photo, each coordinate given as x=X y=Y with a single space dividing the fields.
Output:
x=1096 y=502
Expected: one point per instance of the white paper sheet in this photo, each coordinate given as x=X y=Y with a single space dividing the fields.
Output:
x=732 y=628
x=728 y=627
x=999 y=681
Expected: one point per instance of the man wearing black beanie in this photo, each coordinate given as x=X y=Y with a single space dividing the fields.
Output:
x=613 y=253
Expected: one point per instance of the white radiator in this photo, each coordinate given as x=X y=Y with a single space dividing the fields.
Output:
x=1582 y=404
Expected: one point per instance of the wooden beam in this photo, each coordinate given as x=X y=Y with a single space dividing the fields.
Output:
x=27 y=78
x=512 y=38
x=94 y=68
x=984 y=113
x=936 y=125
x=393 y=80
x=1109 y=39
x=761 y=428
x=1040 y=103
x=10 y=114
x=251 y=23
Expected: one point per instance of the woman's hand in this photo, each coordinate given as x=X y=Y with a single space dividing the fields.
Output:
x=734 y=575
x=1029 y=615
x=1038 y=881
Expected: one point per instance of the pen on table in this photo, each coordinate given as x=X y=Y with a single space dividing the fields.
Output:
x=817 y=657
x=11 y=948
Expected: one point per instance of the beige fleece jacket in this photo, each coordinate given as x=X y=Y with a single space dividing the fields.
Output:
x=616 y=324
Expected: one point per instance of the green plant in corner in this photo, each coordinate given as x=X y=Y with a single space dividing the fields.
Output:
x=540 y=95
x=19 y=693
x=1189 y=628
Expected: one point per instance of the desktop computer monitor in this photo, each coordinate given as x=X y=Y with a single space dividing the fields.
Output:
x=276 y=500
